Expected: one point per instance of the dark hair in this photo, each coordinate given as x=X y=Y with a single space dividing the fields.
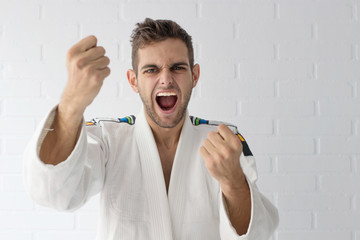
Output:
x=151 y=31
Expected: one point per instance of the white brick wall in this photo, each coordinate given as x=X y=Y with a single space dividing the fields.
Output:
x=287 y=72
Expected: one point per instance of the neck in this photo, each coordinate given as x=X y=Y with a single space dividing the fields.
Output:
x=166 y=137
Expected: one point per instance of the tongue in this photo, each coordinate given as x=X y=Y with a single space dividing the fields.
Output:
x=167 y=101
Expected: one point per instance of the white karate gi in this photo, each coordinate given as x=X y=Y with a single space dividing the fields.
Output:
x=121 y=161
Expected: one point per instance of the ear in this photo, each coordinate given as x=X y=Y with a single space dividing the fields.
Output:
x=131 y=76
x=196 y=74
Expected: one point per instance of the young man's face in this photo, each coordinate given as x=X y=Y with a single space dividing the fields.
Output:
x=165 y=81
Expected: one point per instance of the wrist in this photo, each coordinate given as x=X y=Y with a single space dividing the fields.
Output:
x=68 y=118
x=69 y=112
x=235 y=188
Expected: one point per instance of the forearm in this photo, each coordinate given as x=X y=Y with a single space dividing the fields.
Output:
x=61 y=138
x=238 y=202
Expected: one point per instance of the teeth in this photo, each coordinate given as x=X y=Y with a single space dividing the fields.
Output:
x=165 y=94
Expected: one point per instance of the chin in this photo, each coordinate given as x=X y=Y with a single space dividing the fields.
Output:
x=167 y=122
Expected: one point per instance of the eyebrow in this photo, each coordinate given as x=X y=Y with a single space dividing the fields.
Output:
x=155 y=66
x=180 y=63
x=149 y=66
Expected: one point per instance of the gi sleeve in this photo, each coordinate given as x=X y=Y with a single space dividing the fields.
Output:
x=69 y=184
x=264 y=216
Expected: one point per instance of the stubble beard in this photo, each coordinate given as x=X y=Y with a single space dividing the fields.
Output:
x=149 y=108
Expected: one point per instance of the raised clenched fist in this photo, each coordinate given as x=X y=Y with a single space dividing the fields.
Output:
x=221 y=152
x=87 y=68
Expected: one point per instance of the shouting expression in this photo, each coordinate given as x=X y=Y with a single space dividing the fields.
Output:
x=164 y=81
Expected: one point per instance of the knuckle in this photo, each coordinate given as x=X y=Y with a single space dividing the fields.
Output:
x=227 y=152
x=222 y=126
x=92 y=38
x=97 y=74
x=70 y=54
x=107 y=60
x=238 y=144
x=211 y=134
x=217 y=157
x=80 y=62
x=102 y=50
x=108 y=71
x=89 y=72
x=227 y=155
x=211 y=164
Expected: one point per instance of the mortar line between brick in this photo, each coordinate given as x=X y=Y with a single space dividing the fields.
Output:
x=314 y=31
x=313 y=220
x=238 y=107
x=355 y=52
x=276 y=199
x=276 y=11
x=353 y=203
x=276 y=52
x=236 y=31
x=2 y=150
x=41 y=12
x=352 y=127
x=354 y=86
x=276 y=235
x=2 y=74
x=119 y=89
x=121 y=9
x=317 y=183
x=41 y=53
x=275 y=164
x=317 y=108
x=235 y=71
x=199 y=51
x=317 y=146
x=80 y=29
x=76 y=219
x=42 y=92
x=353 y=165
x=315 y=71
x=1 y=114
x=198 y=10
x=355 y=127
x=120 y=51
x=277 y=89
x=276 y=127
x=355 y=12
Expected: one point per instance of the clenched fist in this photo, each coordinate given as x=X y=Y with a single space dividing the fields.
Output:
x=221 y=152
x=87 y=68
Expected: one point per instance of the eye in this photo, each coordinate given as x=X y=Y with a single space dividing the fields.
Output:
x=150 y=70
x=178 y=68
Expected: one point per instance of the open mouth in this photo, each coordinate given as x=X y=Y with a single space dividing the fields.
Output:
x=166 y=100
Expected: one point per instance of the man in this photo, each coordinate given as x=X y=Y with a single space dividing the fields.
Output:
x=161 y=174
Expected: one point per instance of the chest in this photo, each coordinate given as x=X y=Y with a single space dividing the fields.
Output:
x=167 y=160
x=135 y=194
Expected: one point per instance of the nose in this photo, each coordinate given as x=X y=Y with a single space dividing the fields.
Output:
x=166 y=78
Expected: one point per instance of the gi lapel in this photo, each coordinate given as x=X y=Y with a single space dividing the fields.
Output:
x=185 y=153
x=154 y=180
